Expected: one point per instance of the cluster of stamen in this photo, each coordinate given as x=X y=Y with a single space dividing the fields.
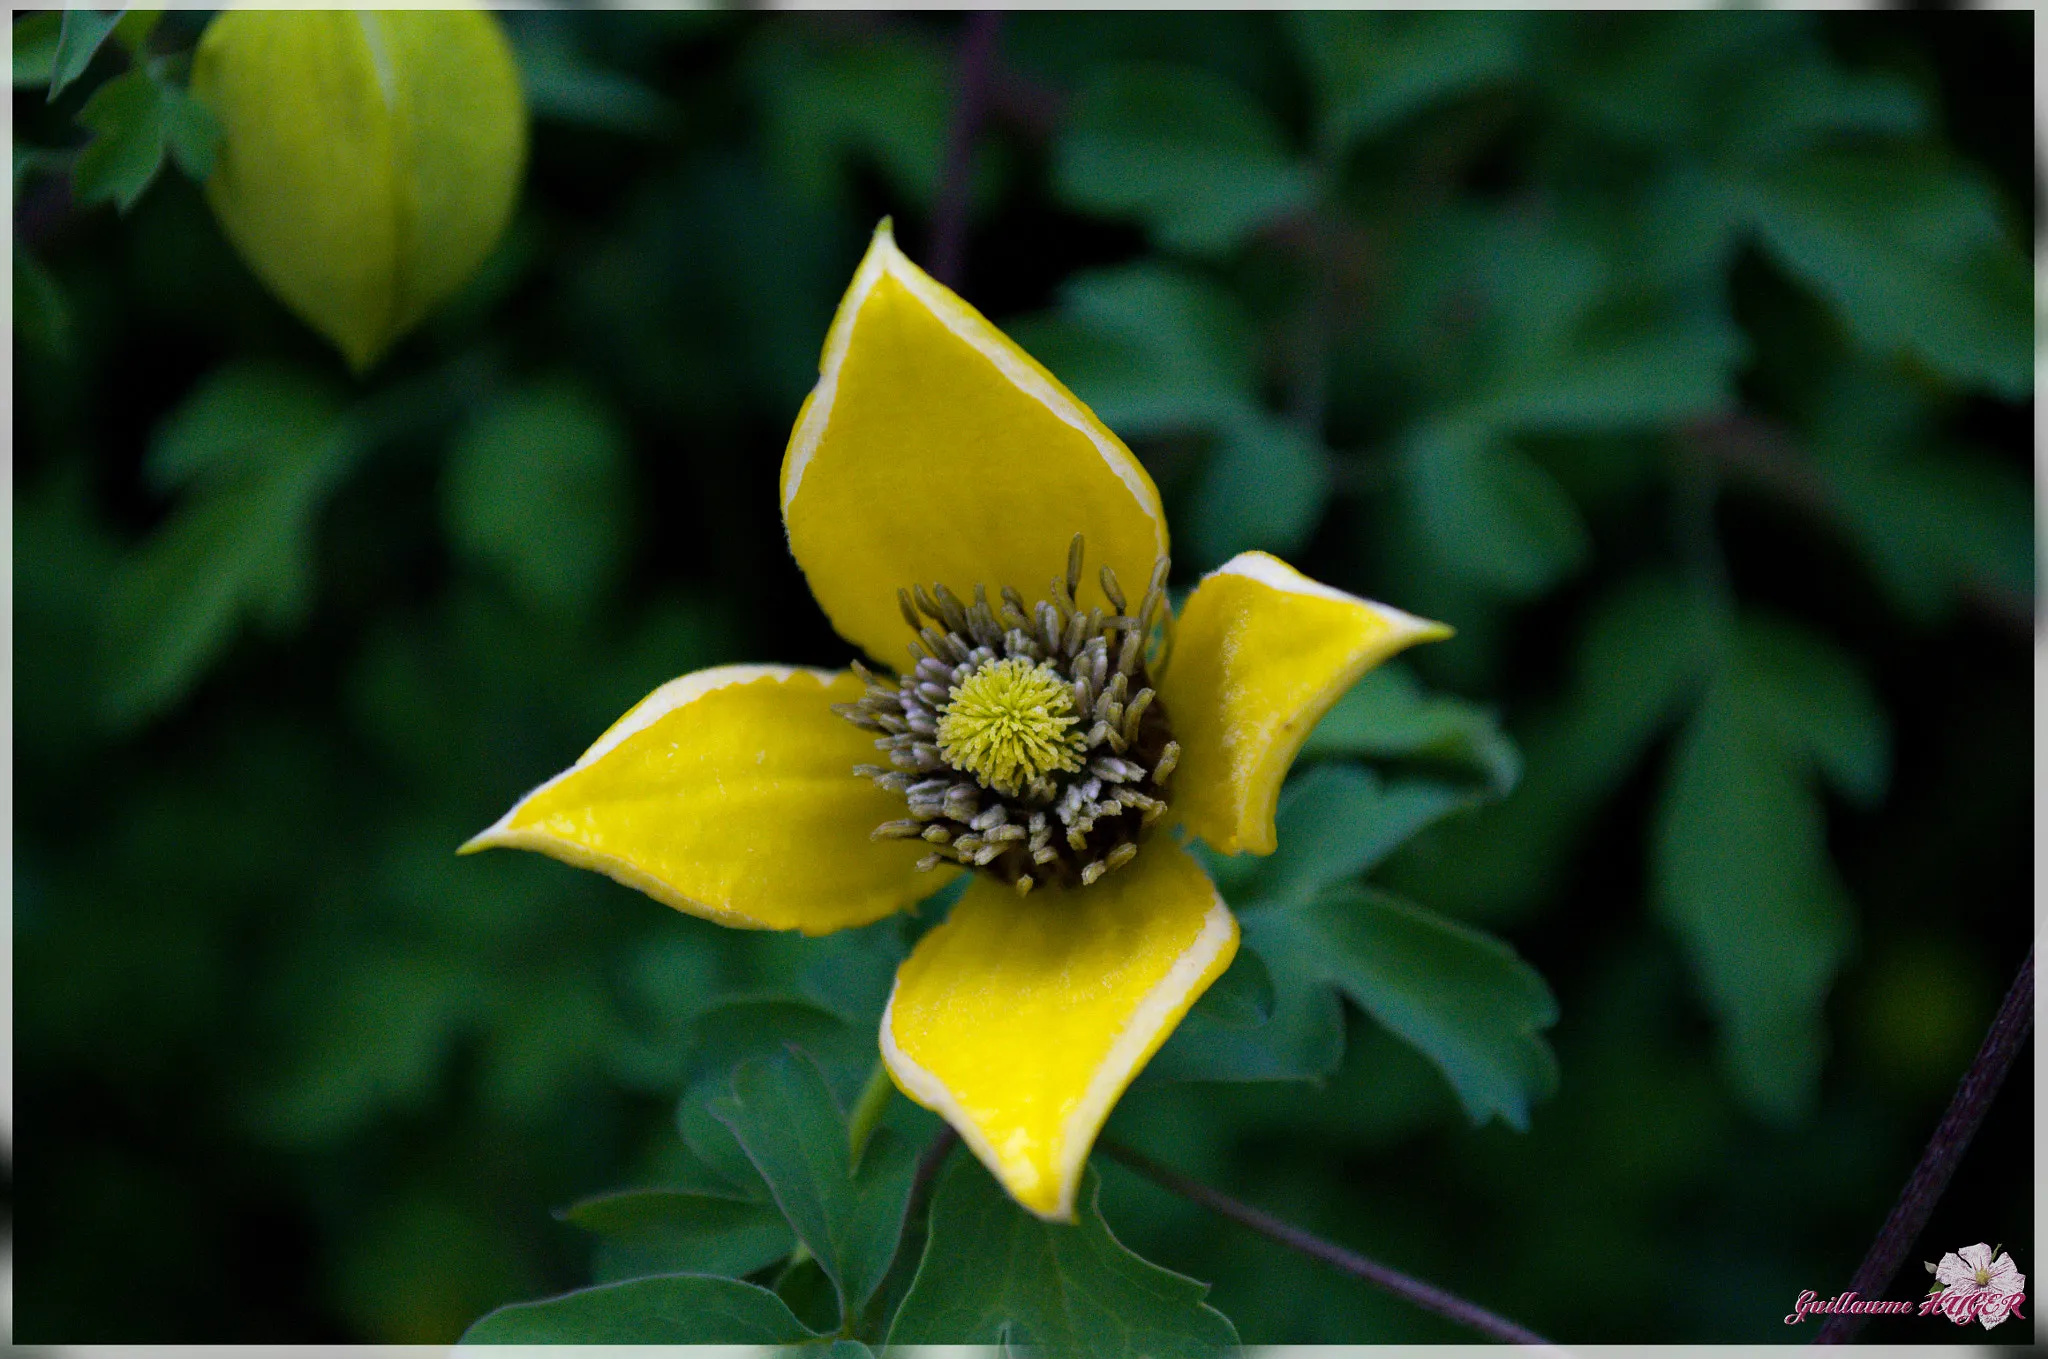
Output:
x=1029 y=743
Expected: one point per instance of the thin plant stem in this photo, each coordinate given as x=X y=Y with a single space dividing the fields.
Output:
x=1973 y=1097
x=1424 y=1295
x=956 y=182
x=868 y=1109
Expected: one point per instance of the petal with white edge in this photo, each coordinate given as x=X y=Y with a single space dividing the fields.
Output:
x=933 y=449
x=1020 y=1021
x=730 y=794
x=1260 y=652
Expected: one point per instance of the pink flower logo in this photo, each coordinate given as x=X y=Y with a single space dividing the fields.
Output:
x=1972 y=1283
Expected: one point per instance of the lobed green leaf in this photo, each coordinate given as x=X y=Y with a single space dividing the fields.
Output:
x=673 y=1309
x=850 y=1216
x=993 y=1274
x=536 y=493
x=1460 y=997
x=1181 y=149
x=80 y=36
x=1388 y=715
x=669 y=1231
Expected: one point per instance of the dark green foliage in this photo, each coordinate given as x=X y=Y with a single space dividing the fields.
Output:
x=663 y=1231
x=80 y=34
x=135 y=119
x=666 y=1309
x=1682 y=362
x=849 y=1216
x=995 y=1275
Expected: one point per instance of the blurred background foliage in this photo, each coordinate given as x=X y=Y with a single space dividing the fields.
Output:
x=1683 y=362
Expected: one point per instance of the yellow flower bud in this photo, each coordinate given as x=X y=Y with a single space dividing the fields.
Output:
x=368 y=160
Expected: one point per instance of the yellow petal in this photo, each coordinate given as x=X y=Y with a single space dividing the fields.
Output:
x=1020 y=1020
x=934 y=449
x=1259 y=654
x=730 y=794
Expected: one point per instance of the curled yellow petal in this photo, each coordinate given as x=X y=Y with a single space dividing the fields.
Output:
x=1259 y=655
x=730 y=794
x=934 y=449
x=1021 y=1020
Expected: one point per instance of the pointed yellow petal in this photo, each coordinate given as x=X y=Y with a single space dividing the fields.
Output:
x=730 y=794
x=1020 y=1020
x=1259 y=655
x=934 y=449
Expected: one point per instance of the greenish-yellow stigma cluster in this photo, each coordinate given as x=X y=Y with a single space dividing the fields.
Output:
x=1010 y=724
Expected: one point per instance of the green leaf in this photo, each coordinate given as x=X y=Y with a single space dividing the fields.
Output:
x=1298 y=1037
x=387 y=1022
x=674 y=1309
x=669 y=1231
x=993 y=1274
x=1264 y=487
x=1741 y=873
x=238 y=423
x=1337 y=822
x=536 y=492
x=1495 y=517
x=127 y=117
x=852 y=971
x=1912 y=252
x=134 y=28
x=1181 y=149
x=42 y=316
x=563 y=85
x=782 y=1113
x=808 y=1291
x=724 y=1035
x=82 y=34
x=712 y=1143
x=240 y=544
x=1372 y=70
x=1460 y=997
x=1938 y=524
x=1153 y=348
x=1794 y=105
x=1387 y=715
x=1820 y=705
x=1645 y=651
x=35 y=47
x=1677 y=366
x=1243 y=996
x=1935 y=522
x=884 y=100
x=191 y=131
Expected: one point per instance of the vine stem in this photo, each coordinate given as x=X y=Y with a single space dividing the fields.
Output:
x=1973 y=1097
x=868 y=1109
x=956 y=182
x=1424 y=1295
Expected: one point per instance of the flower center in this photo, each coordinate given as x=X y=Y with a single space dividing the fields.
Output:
x=1027 y=742
x=1983 y=1276
x=1010 y=724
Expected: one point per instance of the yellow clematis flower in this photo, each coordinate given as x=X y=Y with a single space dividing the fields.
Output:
x=1045 y=743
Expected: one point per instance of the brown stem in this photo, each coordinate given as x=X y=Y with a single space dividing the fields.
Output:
x=956 y=183
x=1944 y=1153
x=1426 y=1296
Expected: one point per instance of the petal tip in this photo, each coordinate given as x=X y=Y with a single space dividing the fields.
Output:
x=494 y=836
